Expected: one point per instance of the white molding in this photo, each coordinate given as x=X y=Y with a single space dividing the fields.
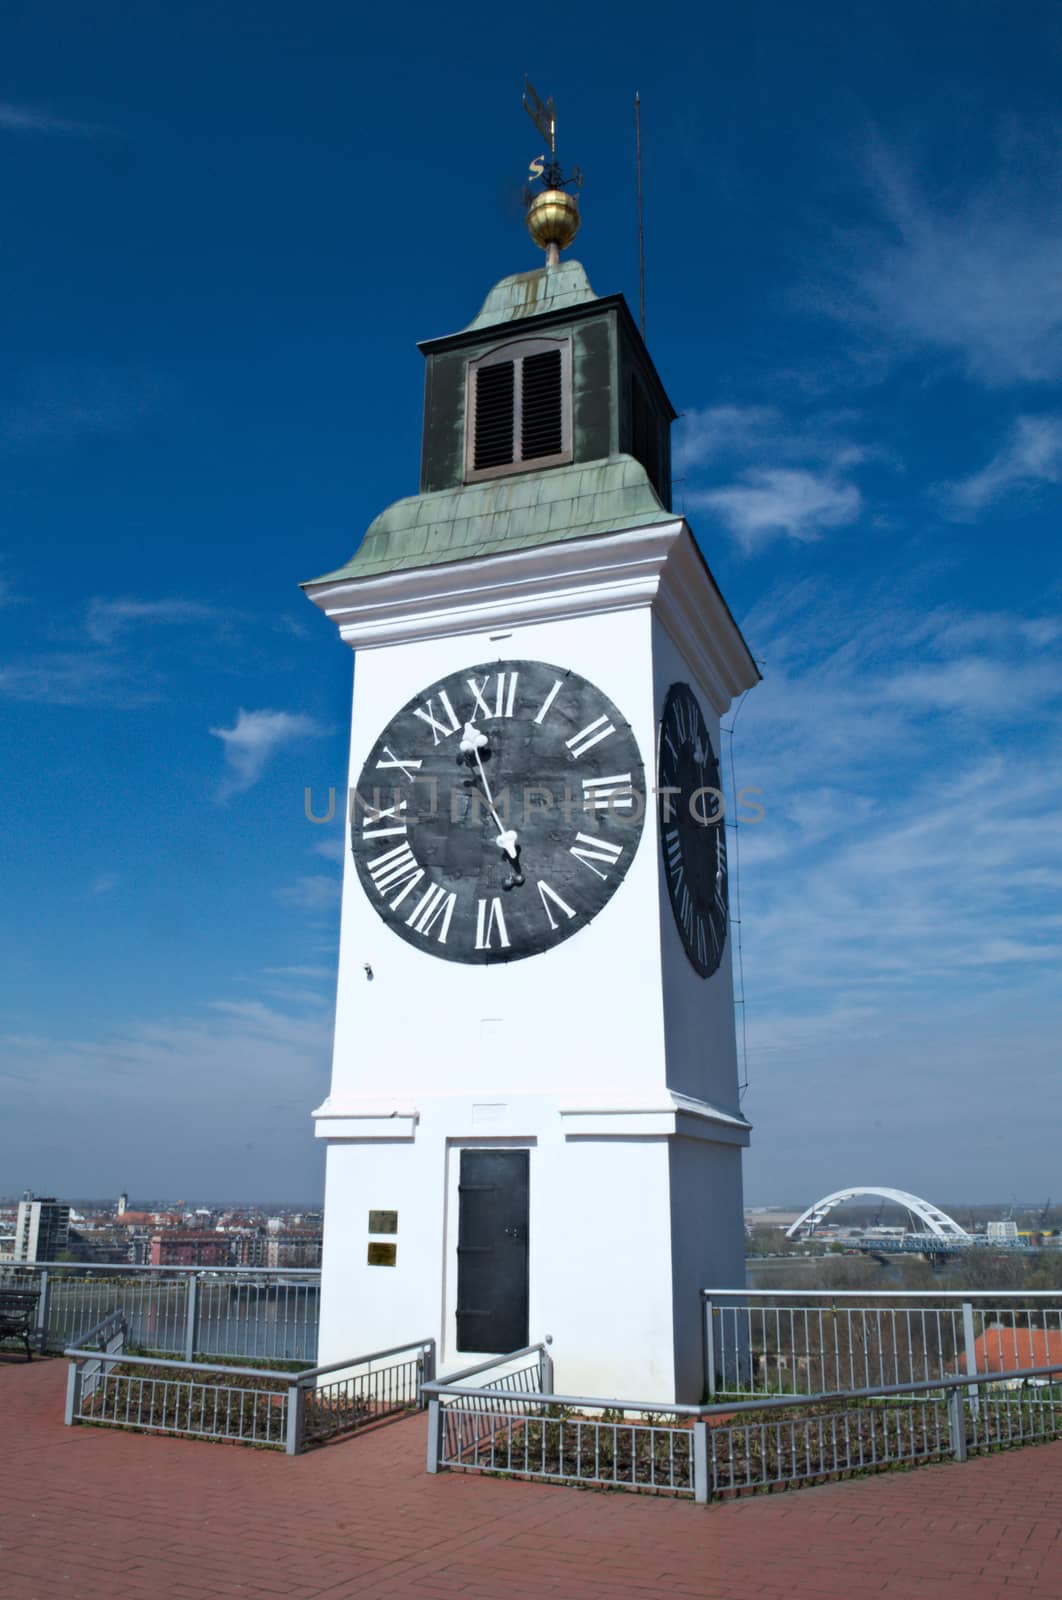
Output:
x=365 y=1119
x=656 y=566
x=683 y=1117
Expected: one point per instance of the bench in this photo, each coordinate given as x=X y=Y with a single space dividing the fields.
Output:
x=18 y=1310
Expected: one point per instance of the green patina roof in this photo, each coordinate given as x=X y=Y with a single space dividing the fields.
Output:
x=531 y=294
x=509 y=513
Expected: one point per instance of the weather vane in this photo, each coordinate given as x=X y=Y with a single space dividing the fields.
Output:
x=552 y=213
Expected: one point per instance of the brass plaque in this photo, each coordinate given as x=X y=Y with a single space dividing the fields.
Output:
x=383 y=1255
x=383 y=1221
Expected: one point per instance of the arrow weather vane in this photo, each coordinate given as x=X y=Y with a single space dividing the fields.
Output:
x=546 y=169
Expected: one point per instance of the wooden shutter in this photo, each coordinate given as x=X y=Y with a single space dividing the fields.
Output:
x=495 y=390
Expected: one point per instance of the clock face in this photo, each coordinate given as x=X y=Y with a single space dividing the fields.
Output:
x=498 y=811
x=692 y=829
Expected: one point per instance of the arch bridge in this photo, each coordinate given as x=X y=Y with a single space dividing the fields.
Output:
x=936 y=1222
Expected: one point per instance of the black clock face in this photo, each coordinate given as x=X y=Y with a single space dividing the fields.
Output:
x=692 y=829
x=498 y=811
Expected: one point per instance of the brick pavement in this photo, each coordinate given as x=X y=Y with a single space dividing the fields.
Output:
x=98 y=1515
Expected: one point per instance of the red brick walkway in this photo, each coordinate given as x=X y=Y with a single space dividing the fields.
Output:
x=107 y=1516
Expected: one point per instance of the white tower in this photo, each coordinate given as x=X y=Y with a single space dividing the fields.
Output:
x=533 y=1123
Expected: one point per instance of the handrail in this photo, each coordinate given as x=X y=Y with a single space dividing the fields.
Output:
x=767 y=1403
x=885 y=1294
x=124 y=1266
x=79 y=1354
x=360 y=1361
x=498 y=1361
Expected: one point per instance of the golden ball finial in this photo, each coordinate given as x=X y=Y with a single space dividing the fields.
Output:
x=553 y=221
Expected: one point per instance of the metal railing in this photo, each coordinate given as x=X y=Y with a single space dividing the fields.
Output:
x=718 y=1451
x=466 y=1414
x=257 y=1313
x=363 y=1390
x=799 y=1341
x=248 y=1405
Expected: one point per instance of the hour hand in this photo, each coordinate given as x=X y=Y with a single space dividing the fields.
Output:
x=507 y=841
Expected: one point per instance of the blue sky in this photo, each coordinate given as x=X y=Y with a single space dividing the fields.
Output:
x=225 y=228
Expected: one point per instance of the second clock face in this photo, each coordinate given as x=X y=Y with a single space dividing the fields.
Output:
x=693 y=829
x=498 y=811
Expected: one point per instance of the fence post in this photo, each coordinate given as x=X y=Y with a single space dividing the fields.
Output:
x=545 y=1368
x=73 y=1394
x=44 y=1305
x=191 y=1316
x=957 y=1423
x=970 y=1343
x=425 y=1369
x=700 y=1462
x=436 y=1423
x=296 y=1415
x=709 y=1348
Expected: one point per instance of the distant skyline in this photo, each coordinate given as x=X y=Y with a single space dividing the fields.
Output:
x=225 y=230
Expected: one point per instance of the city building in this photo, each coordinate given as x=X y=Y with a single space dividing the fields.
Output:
x=190 y=1248
x=42 y=1228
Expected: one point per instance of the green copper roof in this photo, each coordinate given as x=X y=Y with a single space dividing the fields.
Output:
x=510 y=513
x=530 y=294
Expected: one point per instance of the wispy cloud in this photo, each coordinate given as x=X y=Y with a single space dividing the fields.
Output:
x=1032 y=455
x=900 y=898
x=54 y=403
x=106 y=883
x=312 y=893
x=331 y=849
x=163 y=1073
x=77 y=678
x=106 y=620
x=973 y=273
x=772 y=502
x=786 y=480
x=253 y=739
x=34 y=119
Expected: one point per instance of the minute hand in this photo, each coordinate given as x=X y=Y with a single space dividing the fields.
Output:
x=472 y=742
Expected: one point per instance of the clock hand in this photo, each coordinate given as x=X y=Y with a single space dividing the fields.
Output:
x=472 y=742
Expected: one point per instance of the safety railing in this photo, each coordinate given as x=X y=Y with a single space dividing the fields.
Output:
x=248 y=1405
x=718 y=1451
x=250 y=1312
x=468 y=1412
x=359 y=1392
x=799 y=1341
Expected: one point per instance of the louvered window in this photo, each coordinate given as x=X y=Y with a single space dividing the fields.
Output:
x=519 y=408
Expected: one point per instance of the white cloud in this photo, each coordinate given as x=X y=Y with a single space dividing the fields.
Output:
x=108 y=619
x=31 y=119
x=975 y=275
x=106 y=883
x=772 y=502
x=253 y=739
x=331 y=849
x=1032 y=455
x=59 y=401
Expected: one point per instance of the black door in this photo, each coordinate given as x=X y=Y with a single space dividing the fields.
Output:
x=492 y=1251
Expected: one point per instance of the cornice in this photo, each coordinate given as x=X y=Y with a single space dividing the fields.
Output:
x=657 y=565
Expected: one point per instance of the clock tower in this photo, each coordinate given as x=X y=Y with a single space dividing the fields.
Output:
x=533 y=1124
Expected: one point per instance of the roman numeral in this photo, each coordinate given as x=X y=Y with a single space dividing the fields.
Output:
x=608 y=794
x=490 y=919
x=396 y=869
x=592 y=734
x=546 y=894
x=587 y=849
x=548 y=701
x=504 y=695
x=439 y=730
x=435 y=904
x=673 y=852
x=382 y=823
x=702 y=948
x=405 y=765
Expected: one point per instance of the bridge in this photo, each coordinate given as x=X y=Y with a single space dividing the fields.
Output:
x=935 y=1223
